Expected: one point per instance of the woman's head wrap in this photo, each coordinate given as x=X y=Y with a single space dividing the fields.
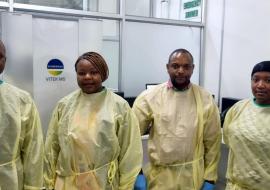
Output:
x=260 y=67
x=97 y=61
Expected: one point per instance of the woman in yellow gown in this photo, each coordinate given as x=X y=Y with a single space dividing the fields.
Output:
x=93 y=141
x=247 y=134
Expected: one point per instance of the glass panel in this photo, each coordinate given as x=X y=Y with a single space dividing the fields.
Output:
x=138 y=7
x=110 y=50
x=70 y=4
x=145 y=57
x=105 y=6
x=168 y=9
x=19 y=74
x=93 y=5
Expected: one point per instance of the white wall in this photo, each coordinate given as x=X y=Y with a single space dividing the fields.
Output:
x=246 y=41
x=213 y=29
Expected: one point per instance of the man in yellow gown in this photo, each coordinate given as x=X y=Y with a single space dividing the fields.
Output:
x=21 y=140
x=184 y=125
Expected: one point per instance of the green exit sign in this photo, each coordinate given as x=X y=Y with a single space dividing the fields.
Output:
x=192 y=4
x=191 y=14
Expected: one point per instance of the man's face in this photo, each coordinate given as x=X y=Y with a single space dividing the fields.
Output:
x=88 y=77
x=2 y=58
x=260 y=85
x=180 y=69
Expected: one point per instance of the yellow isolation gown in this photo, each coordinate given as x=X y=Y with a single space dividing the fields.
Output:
x=21 y=141
x=247 y=134
x=185 y=136
x=93 y=143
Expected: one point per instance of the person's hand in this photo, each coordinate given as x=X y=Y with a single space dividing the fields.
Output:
x=208 y=186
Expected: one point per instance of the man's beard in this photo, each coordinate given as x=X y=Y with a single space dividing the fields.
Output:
x=181 y=86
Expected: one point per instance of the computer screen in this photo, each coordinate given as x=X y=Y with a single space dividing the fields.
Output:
x=150 y=85
x=227 y=103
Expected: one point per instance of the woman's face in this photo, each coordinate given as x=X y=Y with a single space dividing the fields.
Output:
x=260 y=85
x=88 y=77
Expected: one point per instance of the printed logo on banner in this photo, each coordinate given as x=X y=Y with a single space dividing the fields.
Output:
x=55 y=68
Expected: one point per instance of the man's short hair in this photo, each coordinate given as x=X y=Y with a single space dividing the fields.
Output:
x=181 y=50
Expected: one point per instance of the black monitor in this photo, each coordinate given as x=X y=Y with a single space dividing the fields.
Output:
x=227 y=102
x=120 y=94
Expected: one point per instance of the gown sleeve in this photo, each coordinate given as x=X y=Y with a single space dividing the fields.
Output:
x=130 y=158
x=52 y=150
x=143 y=113
x=32 y=150
x=212 y=142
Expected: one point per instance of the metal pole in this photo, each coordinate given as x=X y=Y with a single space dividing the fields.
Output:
x=221 y=53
